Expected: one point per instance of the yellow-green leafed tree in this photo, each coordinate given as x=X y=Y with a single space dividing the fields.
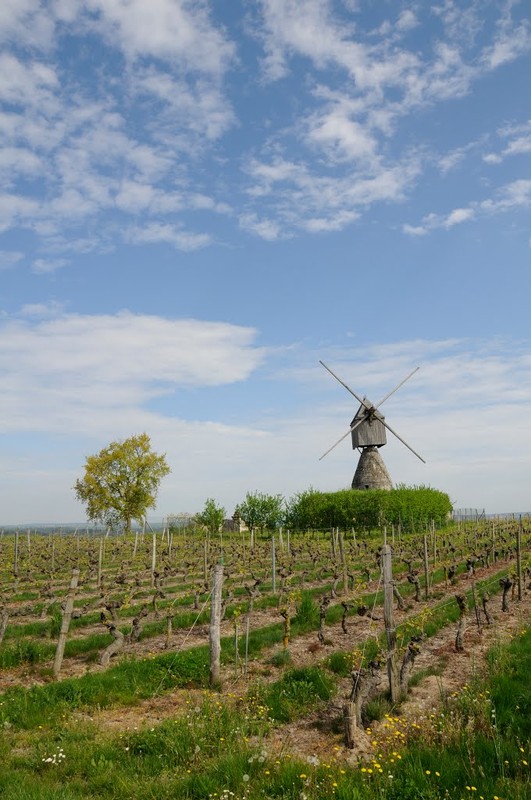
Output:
x=121 y=482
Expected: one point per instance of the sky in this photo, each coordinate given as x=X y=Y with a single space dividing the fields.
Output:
x=201 y=200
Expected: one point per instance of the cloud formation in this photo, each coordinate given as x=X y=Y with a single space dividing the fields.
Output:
x=149 y=129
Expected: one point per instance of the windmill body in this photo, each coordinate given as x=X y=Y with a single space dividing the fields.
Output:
x=368 y=428
x=368 y=431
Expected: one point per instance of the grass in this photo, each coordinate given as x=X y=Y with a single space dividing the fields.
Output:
x=298 y=692
x=476 y=746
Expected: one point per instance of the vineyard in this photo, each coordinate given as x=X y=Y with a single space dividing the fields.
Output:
x=106 y=675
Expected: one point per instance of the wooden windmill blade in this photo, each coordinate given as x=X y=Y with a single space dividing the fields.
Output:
x=388 y=395
x=359 y=399
x=370 y=411
x=352 y=427
x=401 y=440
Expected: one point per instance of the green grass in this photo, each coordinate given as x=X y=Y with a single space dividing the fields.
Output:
x=298 y=692
x=125 y=684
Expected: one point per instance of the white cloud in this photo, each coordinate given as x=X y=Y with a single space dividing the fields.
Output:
x=44 y=266
x=76 y=373
x=457 y=216
x=26 y=21
x=265 y=228
x=512 y=196
x=162 y=232
x=407 y=20
x=511 y=43
x=9 y=258
x=174 y=30
x=301 y=199
x=340 y=136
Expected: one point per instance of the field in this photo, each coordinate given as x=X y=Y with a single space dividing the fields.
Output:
x=128 y=709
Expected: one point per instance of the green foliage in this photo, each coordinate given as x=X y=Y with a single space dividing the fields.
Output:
x=408 y=507
x=211 y=516
x=261 y=511
x=121 y=482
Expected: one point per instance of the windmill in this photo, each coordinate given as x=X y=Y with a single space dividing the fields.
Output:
x=368 y=432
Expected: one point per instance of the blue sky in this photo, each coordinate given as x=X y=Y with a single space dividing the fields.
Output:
x=200 y=200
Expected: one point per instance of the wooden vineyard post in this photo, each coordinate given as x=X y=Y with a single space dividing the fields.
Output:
x=273 y=565
x=153 y=558
x=65 y=624
x=236 y=647
x=15 y=560
x=215 y=626
x=4 y=619
x=390 y=630
x=100 y=563
x=247 y=629
x=426 y=569
x=343 y=562
x=519 y=558
x=205 y=560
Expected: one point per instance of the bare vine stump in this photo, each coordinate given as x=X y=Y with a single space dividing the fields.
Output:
x=461 y=602
x=412 y=651
x=136 y=625
x=114 y=647
x=506 y=584
x=398 y=597
x=484 y=602
x=346 y=608
x=284 y=613
x=414 y=579
x=325 y=602
x=365 y=685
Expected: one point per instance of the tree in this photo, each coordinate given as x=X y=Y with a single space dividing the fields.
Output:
x=211 y=516
x=262 y=511
x=121 y=482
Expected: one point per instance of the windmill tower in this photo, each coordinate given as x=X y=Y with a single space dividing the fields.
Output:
x=368 y=431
